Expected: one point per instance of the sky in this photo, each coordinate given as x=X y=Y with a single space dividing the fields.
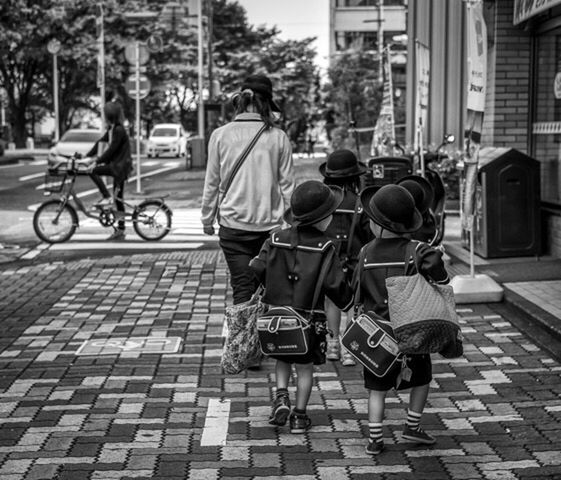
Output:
x=296 y=19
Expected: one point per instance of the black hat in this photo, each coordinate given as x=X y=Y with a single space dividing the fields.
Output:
x=311 y=202
x=392 y=207
x=421 y=190
x=261 y=84
x=342 y=164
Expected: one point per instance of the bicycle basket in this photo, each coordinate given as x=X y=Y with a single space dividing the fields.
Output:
x=54 y=181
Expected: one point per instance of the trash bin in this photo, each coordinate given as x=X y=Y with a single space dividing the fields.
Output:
x=386 y=170
x=196 y=152
x=507 y=205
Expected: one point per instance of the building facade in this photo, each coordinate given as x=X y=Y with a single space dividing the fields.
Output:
x=523 y=101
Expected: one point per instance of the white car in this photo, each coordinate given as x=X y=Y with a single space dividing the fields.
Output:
x=167 y=139
x=73 y=141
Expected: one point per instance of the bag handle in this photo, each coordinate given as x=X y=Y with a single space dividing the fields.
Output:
x=242 y=158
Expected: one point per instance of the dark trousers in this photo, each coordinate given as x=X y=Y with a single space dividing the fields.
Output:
x=239 y=248
x=118 y=190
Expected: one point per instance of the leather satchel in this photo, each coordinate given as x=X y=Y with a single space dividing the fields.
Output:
x=423 y=314
x=283 y=331
x=370 y=339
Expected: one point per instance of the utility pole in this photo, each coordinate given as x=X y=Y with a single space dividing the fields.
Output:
x=53 y=47
x=137 y=104
x=200 y=81
x=100 y=58
x=381 y=40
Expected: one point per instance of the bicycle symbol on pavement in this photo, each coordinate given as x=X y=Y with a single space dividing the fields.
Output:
x=116 y=346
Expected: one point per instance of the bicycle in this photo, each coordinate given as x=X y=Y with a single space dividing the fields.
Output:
x=56 y=220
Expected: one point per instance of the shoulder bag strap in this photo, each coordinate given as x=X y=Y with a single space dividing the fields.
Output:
x=359 y=269
x=353 y=226
x=411 y=251
x=241 y=159
x=323 y=272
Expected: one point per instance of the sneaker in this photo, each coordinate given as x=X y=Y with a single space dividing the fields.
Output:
x=104 y=202
x=116 y=236
x=333 y=349
x=281 y=409
x=347 y=360
x=374 y=448
x=417 y=435
x=299 y=423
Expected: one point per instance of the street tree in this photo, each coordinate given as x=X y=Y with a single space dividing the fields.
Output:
x=354 y=92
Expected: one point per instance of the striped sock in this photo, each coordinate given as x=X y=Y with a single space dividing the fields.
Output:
x=375 y=432
x=413 y=419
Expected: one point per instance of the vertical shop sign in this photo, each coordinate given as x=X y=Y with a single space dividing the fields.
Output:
x=384 y=130
x=477 y=81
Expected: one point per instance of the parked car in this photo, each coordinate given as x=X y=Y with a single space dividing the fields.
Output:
x=167 y=139
x=73 y=141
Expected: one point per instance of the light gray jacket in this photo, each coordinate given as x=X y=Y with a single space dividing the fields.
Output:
x=261 y=190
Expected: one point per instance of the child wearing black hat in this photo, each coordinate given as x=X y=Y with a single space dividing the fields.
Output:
x=349 y=231
x=289 y=265
x=393 y=216
x=423 y=193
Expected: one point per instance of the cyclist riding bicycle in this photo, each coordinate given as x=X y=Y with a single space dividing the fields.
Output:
x=115 y=162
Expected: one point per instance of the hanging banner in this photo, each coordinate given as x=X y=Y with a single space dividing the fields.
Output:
x=477 y=84
x=384 y=131
x=422 y=63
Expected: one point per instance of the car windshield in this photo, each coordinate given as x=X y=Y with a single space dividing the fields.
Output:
x=164 y=132
x=85 y=137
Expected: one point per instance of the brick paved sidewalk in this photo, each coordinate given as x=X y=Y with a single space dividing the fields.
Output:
x=127 y=411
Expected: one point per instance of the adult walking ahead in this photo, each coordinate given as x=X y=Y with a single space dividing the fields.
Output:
x=249 y=181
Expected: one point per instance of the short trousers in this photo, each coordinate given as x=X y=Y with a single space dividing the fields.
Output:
x=421 y=368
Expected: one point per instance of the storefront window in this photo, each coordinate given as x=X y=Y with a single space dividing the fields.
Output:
x=546 y=126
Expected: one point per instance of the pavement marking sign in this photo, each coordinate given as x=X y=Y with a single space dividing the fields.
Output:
x=116 y=346
x=215 y=429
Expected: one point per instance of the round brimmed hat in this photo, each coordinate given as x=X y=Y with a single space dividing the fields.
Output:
x=342 y=164
x=421 y=190
x=261 y=84
x=311 y=202
x=392 y=207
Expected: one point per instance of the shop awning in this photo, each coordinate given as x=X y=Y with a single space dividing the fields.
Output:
x=525 y=9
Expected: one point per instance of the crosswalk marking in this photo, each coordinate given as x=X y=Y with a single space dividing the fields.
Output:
x=186 y=234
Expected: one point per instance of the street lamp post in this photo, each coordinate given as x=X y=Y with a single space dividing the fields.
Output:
x=53 y=47
x=201 y=107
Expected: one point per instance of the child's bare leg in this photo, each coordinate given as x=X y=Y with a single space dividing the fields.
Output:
x=304 y=385
x=333 y=315
x=346 y=358
x=376 y=407
x=282 y=374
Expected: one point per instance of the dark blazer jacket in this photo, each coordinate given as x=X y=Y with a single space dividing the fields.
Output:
x=289 y=265
x=118 y=153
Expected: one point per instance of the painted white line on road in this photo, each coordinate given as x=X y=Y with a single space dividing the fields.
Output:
x=215 y=429
x=31 y=177
x=35 y=251
x=125 y=246
x=15 y=165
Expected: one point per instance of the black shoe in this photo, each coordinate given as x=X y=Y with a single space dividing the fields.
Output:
x=299 y=423
x=281 y=410
x=117 y=236
x=417 y=435
x=374 y=448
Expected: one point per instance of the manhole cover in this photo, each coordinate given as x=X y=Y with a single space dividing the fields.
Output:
x=116 y=346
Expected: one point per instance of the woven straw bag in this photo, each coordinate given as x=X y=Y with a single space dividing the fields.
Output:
x=423 y=314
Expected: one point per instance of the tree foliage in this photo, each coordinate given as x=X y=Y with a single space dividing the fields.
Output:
x=355 y=94
x=237 y=47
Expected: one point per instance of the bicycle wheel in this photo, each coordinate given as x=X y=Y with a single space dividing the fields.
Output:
x=55 y=222
x=152 y=220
